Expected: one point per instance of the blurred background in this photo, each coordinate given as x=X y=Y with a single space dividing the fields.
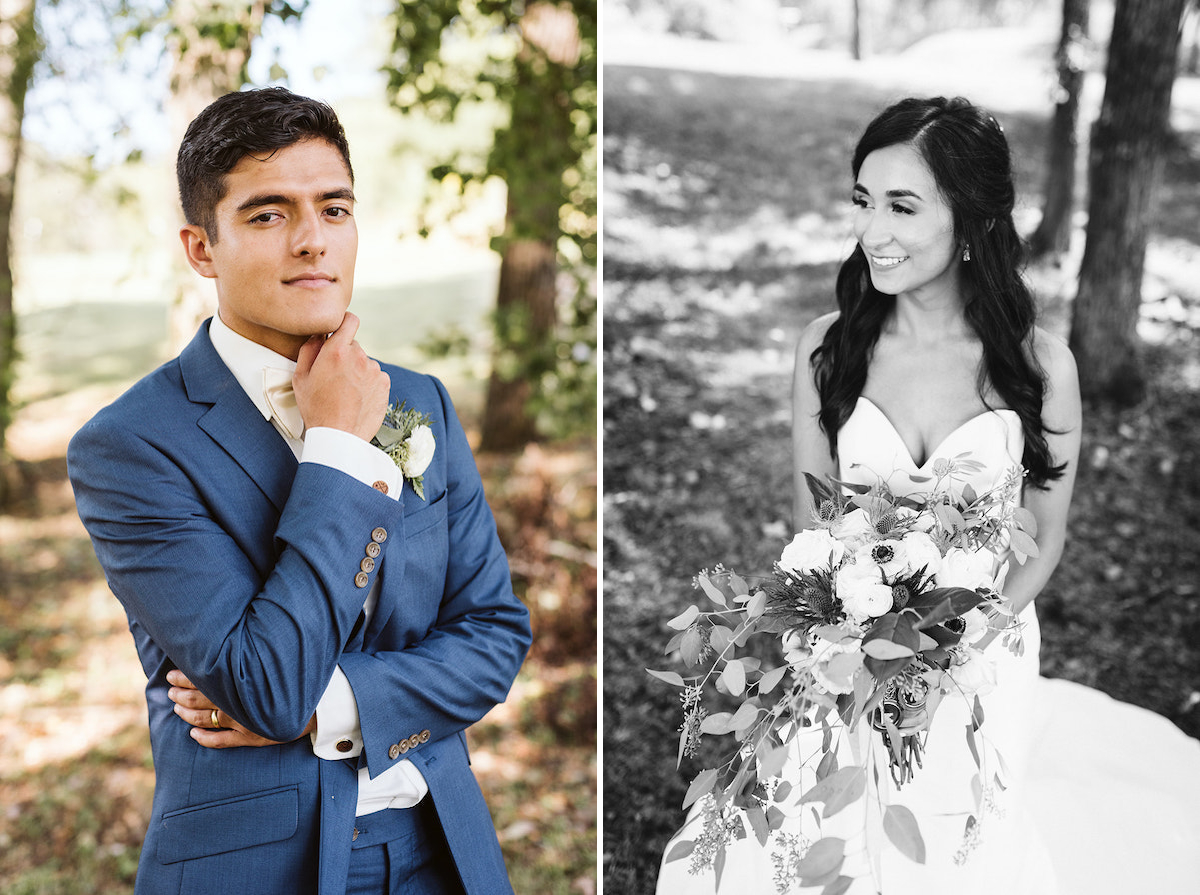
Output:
x=728 y=132
x=473 y=132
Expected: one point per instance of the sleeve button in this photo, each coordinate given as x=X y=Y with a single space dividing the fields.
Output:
x=373 y=550
x=394 y=753
x=361 y=579
x=367 y=565
x=379 y=535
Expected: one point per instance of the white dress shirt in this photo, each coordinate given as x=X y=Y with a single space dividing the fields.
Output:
x=402 y=785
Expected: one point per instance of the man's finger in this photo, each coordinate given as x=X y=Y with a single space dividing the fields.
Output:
x=346 y=332
x=192 y=699
x=179 y=679
x=308 y=354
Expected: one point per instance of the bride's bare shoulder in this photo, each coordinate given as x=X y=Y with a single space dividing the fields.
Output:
x=813 y=334
x=1054 y=356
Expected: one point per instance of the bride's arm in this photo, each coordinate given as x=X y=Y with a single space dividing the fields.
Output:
x=810 y=447
x=1062 y=416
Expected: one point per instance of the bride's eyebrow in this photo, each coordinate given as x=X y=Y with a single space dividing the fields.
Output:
x=890 y=194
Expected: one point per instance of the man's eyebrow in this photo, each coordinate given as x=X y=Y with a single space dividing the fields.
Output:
x=891 y=194
x=280 y=199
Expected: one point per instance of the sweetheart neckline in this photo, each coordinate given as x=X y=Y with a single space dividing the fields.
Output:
x=932 y=455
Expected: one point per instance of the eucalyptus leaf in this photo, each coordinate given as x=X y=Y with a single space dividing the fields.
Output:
x=839 y=886
x=838 y=790
x=902 y=829
x=387 y=436
x=719 y=638
x=758 y=823
x=671 y=677
x=712 y=592
x=733 y=676
x=680 y=849
x=771 y=762
x=702 y=785
x=685 y=618
x=717 y=723
x=770 y=680
x=746 y=715
x=690 y=646
x=824 y=857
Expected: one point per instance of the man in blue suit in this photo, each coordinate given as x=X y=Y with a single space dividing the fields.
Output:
x=318 y=626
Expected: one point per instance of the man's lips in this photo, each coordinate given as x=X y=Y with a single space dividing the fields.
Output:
x=311 y=279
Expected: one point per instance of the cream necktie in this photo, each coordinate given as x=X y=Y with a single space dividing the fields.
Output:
x=281 y=398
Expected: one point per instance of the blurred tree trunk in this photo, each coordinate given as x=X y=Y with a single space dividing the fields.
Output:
x=19 y=51
x=525 y=309
x=526 y=297
x=856 y=35
x=1053 y=234
x=1126 y=159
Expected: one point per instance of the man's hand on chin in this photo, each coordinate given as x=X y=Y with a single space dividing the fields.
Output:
x=211 y=727
x=338 y=385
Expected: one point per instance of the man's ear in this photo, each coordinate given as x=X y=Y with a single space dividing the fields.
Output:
x=196 y=247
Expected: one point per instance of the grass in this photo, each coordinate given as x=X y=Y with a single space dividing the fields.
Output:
x=726 y=218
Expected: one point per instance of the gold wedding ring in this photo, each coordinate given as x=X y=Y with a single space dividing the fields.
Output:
x=216 y=725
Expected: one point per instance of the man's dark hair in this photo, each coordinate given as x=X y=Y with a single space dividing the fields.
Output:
x=252 y=122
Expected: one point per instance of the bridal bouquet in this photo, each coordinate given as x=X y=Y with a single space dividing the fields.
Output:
x=876 y=613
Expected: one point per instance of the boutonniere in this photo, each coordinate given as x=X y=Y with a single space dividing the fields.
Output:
x=405 y=436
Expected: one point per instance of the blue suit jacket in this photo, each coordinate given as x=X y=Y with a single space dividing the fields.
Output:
x=237 y=565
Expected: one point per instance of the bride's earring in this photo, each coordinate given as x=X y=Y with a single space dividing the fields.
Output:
x=967 y=253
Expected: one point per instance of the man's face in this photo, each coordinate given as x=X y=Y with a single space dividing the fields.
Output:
x=284 y=260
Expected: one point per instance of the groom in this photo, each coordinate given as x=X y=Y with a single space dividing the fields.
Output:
x=318 y=626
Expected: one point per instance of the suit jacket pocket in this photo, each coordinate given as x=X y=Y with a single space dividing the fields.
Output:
x=429 y=514
x=228 y=825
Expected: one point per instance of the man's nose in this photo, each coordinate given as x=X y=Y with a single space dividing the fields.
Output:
x=308 y=236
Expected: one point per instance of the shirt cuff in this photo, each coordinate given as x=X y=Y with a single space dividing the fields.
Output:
x=339 y=732
x=356 y=458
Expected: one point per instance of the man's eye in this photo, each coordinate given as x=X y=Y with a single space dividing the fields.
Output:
x=859 y=201
x=265 y=218
x=338 y=212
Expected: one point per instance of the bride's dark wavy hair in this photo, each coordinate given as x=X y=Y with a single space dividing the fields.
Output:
x=967 y=153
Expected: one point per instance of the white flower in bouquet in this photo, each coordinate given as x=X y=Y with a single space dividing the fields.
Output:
x=795 y=647
x=853 y=529
x=976 y=626
x=971 y=569
x=922 y=553
x=890 y=557
x=972 y=674
x=862 y=591
x=811 y=550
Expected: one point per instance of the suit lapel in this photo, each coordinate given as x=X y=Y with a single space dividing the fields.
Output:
x=233 y=421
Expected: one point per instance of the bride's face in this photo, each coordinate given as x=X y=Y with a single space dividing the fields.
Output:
x=904 y=226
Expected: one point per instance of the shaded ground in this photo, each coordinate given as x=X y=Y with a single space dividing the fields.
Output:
x=726 y=210
x=75 y=770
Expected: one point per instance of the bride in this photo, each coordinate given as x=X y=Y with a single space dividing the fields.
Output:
x=933 y=354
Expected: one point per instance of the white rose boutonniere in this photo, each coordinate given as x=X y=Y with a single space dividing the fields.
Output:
x=405 y=436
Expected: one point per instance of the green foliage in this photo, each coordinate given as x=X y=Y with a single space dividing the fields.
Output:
x=536 y=63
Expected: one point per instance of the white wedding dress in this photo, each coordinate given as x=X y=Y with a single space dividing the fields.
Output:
x=1101 y=797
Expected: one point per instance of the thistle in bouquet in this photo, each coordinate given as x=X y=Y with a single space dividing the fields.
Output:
x=872 y=615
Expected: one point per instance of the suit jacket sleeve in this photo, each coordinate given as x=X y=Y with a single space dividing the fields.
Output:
x=466 y=661
x=255 y=613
